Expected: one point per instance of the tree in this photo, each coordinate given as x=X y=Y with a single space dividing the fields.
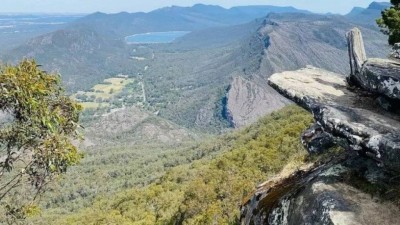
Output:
x=390 y=22
x=37 y=123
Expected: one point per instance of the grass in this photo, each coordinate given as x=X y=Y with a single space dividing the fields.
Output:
x=116 y=84
x=94 y=105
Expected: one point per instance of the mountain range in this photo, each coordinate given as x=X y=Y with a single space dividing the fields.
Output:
x=194 y=81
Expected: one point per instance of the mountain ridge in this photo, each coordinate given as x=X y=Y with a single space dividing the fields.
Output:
x=366 y=15
x=185 y=82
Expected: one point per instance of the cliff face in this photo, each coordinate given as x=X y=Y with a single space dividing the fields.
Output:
x=247 y=101
x=358 y=186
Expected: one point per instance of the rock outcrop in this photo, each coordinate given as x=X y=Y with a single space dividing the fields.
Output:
x=353 y=113
x=356 y=50
x=354 y=118
x=379 y=76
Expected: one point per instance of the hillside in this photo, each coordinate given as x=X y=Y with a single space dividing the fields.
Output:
x=132 y=126
x=189 y=189
x=371 y=13
x=83 y=56
x=184 y=132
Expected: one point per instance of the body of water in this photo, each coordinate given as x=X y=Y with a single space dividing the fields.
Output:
x=155 y=37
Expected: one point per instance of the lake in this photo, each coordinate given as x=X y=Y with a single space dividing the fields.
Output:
x=155 y=37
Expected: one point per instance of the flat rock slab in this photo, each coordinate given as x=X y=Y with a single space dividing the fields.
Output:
x=352 y=117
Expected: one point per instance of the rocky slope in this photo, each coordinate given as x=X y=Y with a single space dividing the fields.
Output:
x=247 y=101
x=352 y=187
x=133 y=126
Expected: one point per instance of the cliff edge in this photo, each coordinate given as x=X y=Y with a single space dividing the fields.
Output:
x=360 y=113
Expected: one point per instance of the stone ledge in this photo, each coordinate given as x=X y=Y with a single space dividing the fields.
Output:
x=351 y=116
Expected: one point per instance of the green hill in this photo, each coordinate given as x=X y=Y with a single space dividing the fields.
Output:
x=196 y=185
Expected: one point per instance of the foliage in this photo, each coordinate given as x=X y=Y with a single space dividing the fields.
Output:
x=390 y=22
x=210 y=188
x=37 y=126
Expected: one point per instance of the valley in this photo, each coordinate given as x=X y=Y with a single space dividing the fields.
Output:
x=179 y=124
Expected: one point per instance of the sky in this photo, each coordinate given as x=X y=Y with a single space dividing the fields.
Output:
x=112 y=6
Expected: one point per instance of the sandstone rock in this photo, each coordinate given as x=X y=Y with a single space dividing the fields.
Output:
x=356 y=119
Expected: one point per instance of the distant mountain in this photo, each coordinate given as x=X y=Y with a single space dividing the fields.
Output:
x=355 y=11
x=176 y=18
x=92 y=48
x=369 y=15
x=215 y=74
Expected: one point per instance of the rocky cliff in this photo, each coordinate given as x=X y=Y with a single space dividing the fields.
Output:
x=247 y=101
x=359 y=185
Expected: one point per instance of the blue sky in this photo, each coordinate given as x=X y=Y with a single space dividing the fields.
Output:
x=88 y=6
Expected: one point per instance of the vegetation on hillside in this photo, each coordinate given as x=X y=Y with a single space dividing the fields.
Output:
x=390 y=22
x=36 y=127
x=207 y=183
